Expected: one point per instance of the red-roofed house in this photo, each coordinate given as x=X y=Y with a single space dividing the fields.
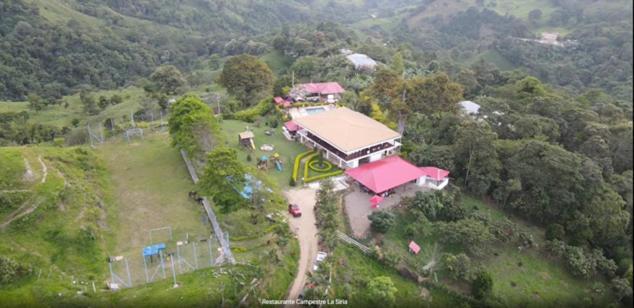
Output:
x=435 y=178
x=282 y=102
x=326 y=91
x=392 y=172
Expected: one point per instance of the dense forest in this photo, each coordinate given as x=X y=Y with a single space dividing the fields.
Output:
x=598 y=54
x=552 y=143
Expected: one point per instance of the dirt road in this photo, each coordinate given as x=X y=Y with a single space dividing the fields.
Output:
x=306 y=231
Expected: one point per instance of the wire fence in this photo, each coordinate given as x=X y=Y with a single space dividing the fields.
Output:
x=164 y=258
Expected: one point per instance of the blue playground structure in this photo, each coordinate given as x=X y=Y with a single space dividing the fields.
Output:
x=250 y=182
x=153 y=250
x=150 y=252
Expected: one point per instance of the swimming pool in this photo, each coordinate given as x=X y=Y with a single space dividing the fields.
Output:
x=315 y=110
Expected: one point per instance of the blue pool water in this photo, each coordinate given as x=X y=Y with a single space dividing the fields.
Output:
x=315 y=110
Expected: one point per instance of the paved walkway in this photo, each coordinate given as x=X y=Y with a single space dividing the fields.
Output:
x=306 y=230
x=358 y=206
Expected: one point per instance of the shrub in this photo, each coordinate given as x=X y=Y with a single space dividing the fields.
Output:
x=381 y=291
x=251 y=114
x=11 y=271
x=621 y=288
x=555 y=232
x=482 y=285
x=298 y=162
x=457 y=266
x=308 y=159
x=381 y=221
x=323 y=176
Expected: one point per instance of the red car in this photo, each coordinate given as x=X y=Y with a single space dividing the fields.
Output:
x=294 y=210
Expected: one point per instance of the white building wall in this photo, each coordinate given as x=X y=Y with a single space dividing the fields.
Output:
x=377 y=156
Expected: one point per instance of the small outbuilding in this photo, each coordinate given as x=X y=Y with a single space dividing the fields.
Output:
x=246 y=139
x=434 y=178
x=290 y=129
x=362 y=62
x=469 y=108
x=413 y=247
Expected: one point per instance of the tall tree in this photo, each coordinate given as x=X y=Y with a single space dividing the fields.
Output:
x=476 y=158
x=247 y=78
x=397 y=64
x=193 y=127
x=167 y=80
x=224 y=178
x=389 y=89
x=433 y=94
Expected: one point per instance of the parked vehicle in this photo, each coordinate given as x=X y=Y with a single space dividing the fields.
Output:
x=294 y=210
x=321 y=256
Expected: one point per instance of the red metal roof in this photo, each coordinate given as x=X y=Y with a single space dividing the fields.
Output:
x=291 y=126
x=282 y=102
x=385 y=174
x=414 y=247
x=323 y=88
x=434 y=173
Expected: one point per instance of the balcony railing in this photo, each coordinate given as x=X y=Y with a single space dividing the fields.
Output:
x=355 y=155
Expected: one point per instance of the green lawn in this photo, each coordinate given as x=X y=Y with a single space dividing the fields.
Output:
x=61 y=116
x=538 y=281
x=287 y=149
x=352 y=271
x=151 y=185
x=396 y=241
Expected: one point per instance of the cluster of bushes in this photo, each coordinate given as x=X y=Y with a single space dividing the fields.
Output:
x=438 y=206
x=11 y=271
x=326 y=212
x=381 y=221
x=251 y=114
x=582 y=263
x=10 y=201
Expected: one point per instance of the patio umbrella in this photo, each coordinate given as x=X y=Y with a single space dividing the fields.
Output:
x=375 y=201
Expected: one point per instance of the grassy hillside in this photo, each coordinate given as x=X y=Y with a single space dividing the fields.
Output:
x=64 y=210
x=58 y=226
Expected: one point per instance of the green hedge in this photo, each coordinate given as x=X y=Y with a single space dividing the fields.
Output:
x=323 y=176
x=298 y=161
x=308 y=159
x=251 y=114
x=328 y=166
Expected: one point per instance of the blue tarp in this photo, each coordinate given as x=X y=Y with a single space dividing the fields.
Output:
x=250 y=182
x=153 y=249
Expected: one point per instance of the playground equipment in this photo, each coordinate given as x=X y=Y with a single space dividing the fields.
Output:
x=263 y=162
x=150 y=253
x=267 y=148
x=277 y=161
x=246 y=139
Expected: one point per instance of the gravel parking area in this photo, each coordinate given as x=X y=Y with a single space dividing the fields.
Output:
x=358 y=206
